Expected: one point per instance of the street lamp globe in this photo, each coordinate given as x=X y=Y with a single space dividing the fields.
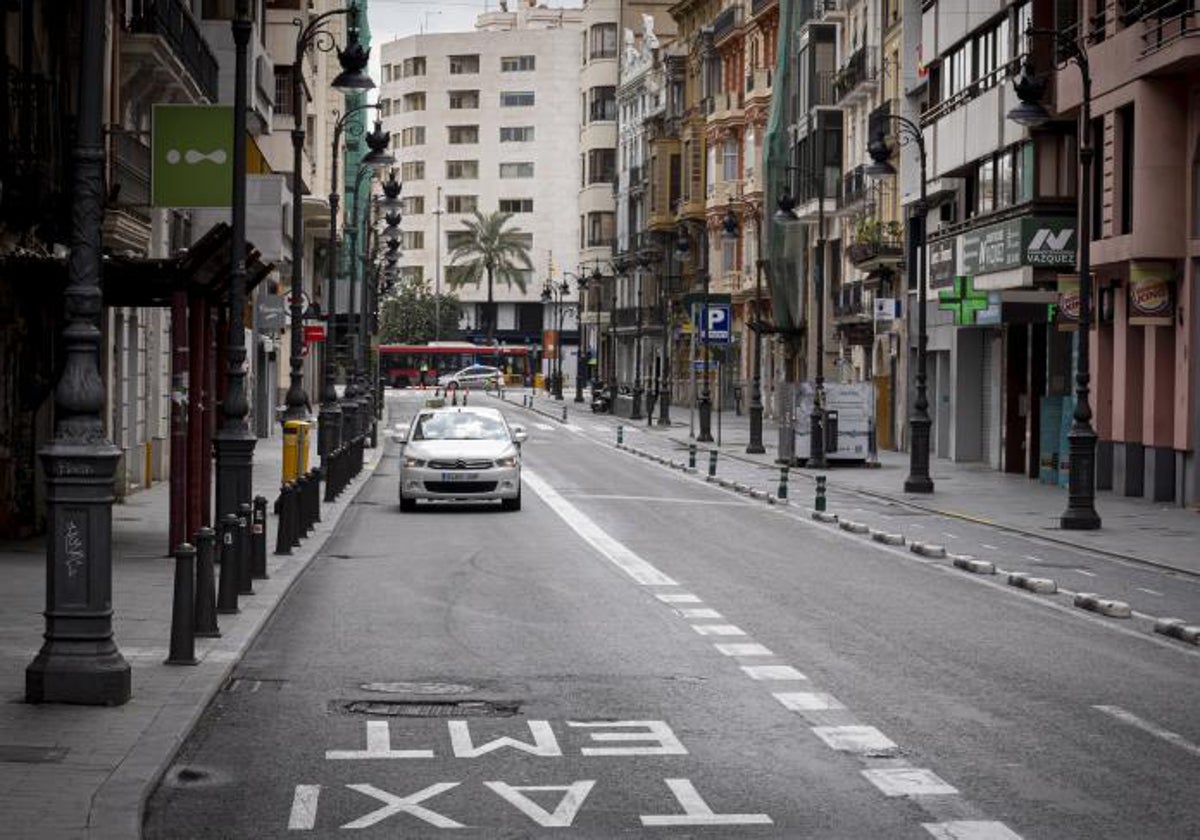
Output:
x=354 y=60
x=378 y=141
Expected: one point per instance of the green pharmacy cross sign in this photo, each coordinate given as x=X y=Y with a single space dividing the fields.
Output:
x=963 y=300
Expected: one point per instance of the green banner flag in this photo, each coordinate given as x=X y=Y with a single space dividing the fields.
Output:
x=192 y=156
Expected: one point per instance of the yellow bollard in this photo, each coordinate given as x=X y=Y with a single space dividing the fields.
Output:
x=303 y=446
x=291 y=450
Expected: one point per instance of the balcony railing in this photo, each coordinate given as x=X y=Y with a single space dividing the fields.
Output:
x=726 y=22
x=131 y=174
x=172 y=20
x=859 y=68
x=855 y=185
x=757 y=7
x=1166 y=23
x=824 y=88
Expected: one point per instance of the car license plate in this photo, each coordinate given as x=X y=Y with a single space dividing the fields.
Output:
x=460 y=476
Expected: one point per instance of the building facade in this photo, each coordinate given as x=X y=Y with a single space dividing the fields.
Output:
x=479 y=122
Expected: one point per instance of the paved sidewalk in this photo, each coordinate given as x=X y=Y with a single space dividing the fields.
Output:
x=1134 y=529
x=84 y=772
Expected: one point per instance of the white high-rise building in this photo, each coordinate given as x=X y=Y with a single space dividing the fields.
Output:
x=489 y=120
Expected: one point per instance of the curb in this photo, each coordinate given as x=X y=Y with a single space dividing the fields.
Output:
x=969 y=564
x=1177 y=629
x=1039 y=586
x=886 y=538
x=927 y=549
x=1105 y=606
x=853 y=527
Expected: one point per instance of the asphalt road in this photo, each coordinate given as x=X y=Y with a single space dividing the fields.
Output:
x=636 y=653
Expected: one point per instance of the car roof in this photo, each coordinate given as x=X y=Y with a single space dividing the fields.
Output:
x=482 y=410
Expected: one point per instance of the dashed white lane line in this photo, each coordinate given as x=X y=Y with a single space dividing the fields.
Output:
x=908 y=781
x=1173 y=738
x=627 y=561
x=971 y=830
x=808 y=701
x=698 y=612
x=743 y=649
x=989 y=547
x=772 y=672
x=678 y=598
x=718 y=630
x=1150 y=591
x=1084 y=572
x=949 y=536
x=1034 y=559
x=863 y=740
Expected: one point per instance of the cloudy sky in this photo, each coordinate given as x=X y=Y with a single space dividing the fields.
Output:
x=397 y=18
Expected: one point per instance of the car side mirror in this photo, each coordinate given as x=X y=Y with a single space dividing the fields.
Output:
x=519 y=434
x=400 y=433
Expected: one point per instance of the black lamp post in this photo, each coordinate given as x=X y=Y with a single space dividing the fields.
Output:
x=581 y=283
x=683 y=247
x=376 y=160
x=353 y=60
x=554 y=293
x=79 y=662
x=1081 y=514
x=731 y=230
x=233 y=443
x=918 y=480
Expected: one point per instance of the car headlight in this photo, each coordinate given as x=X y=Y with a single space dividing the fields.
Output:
x=414 y=462
x=507 y=461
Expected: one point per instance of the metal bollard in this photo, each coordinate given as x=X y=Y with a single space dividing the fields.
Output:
x=712 y=462
x=620 y=435
x=564 y=419
x=314 y=498
x=183 y=640
x=302 y=525
x=227 y=594
x=454 y=398
x=466 y=393
x=294 y=525
x=205 y=620
x=820 y=503
x=691 y=456
x=283 y=539
x=258 y=539
x=783 y=483
x=245 y=585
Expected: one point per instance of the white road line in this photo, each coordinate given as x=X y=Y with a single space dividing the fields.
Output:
x=772 y=672
x=908 y=781
x=679 y=598
x=743 y=649
x=1157 y=731
x=1149 y=591
x=718 y=630
x=1034 y=559
x=698 y=612
x=1084 y=573
x=619 y=498
x=808 y=701
x=989 y=547
x=949 y=536
x=304 y=808
x=855 y=739
x=628 y=562
x=971 y=830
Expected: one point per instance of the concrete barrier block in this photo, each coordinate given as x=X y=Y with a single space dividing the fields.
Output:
x=758 y=494
x=1041 y=586
x=823 y=515
x=852 y=526
x=886 y=538
x=740 y=487
x=1105 y=606
x=927 y=549
x=1176 y=628
x=969 y=564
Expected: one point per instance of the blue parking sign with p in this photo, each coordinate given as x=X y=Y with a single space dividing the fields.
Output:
x=716 y=323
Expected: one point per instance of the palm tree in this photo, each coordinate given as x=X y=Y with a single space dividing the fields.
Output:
x=493 y=251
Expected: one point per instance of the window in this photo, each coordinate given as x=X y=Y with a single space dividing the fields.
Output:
x=412 y=273
x=414 y=136
x=385 y=107
x=1005 y=195
x=603 y=41
x=1125 y=186
x=457 y=238
x=413 y=205
x=729 y=158
x=516 y=63
x=283 y=90
x=461 y=134
x=728 y=256
x=458 y=170
x=413 y=66
x=986 y=194
x=525 y=239
x=601 y=166
x=461 y=203
x=412 y=170
x=516 y=99
x=464 y=100
x=516 y=170
x=602 y=103
x=462 y=64
x=414 y=101
x=516 y=205
x=516 y=134
x=412 y=240
x=601 y=229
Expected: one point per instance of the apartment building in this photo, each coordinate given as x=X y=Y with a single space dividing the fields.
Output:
x=481 y=121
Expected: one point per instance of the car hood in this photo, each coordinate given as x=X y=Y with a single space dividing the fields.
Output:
x=454 y=449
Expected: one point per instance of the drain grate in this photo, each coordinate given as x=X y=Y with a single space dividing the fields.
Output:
x=251 y=685
x=16 y=754
x=431 y=708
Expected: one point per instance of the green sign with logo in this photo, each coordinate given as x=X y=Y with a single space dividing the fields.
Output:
x=1049 y=242
x=191 y=156
x=1040 y=242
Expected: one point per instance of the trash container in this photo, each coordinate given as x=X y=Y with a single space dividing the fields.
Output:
x=831 y=431
x=291 y=450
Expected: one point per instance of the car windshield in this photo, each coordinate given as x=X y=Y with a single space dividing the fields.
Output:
x=459 y=426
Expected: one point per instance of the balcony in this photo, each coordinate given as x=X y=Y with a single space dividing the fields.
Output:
x=1166 y=25
x=855 y=187
x=127 y=216
x=830 y=10
x=858 y=76
x=155 y=23
x=757 y=7
x=726 y=23
x=877 y=245
x=726 y=105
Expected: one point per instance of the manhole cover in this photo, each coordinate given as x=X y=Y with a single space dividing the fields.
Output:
x=431 y=708
x=16 y=754
x=422 y=688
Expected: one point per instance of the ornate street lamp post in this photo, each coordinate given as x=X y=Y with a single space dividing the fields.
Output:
x=731 y=230
x=353 y=60
x=79 y=662
x=554 y=293
x=683 y=247
x=581 y=284
x=1081 y=514
x=919 y=480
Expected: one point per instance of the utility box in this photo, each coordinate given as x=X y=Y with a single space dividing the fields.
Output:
x=849 y=420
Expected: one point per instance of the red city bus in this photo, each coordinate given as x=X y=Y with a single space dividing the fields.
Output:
x=400 y=364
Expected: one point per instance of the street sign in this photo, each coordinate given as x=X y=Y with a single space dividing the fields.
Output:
x=314 y=333
x=698 y=365
x=714 y=322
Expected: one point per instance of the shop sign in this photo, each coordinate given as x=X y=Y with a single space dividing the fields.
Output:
x=989 y=316
x=550 y=344
x=191 y=155
x=942 y=263
x=992 y=248
x=314 y=333
x=1151 y=294
x=1048 y=242
x=1067 y=310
